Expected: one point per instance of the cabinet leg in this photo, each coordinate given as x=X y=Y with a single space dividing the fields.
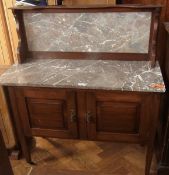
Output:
x=149 y=157
x=154 y=108
x=15 y=118
x=31 y=143
x=26 y=150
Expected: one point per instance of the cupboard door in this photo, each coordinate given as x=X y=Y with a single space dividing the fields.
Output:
x=47 y=112
x=117 y=116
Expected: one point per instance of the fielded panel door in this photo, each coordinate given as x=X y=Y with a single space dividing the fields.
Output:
x=117 y=116
x=47 y=112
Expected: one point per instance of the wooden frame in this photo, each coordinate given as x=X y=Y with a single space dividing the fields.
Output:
x=24 y=53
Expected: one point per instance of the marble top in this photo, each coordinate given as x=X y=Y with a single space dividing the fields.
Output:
x=86 y=74
x=112 y=32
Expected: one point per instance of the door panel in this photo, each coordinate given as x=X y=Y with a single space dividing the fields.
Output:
x=40 y=110
x=117 y=116
x=47 y=112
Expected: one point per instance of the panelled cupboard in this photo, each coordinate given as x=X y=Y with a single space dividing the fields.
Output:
x=86 y=77
x=85 y=114
x=93 y=115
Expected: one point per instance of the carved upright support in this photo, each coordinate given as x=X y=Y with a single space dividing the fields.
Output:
x=22 y=49
x=153 y=37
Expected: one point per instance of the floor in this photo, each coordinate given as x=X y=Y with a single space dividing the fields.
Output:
x=69 y=157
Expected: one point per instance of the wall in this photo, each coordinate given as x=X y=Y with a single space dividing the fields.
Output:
x=11 y=26
x=6 y=57
x=8 y=45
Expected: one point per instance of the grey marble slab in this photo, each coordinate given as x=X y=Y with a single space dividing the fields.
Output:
x=122 y=32
x=86 y=74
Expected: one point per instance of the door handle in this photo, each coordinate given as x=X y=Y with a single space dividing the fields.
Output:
x=89 y=117
x=73 y=117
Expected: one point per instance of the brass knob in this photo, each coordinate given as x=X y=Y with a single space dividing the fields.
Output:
x=89 y=117
x=73 y=117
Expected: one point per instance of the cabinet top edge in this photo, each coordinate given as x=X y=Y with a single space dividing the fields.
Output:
x=86 y=74
x=63 y=7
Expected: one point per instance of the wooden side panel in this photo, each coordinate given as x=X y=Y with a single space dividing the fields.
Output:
x=154 y=108
x=163 y=131
x=167 y=58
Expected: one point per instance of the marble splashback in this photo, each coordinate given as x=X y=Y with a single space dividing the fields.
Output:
x=86 y=74
x=126 y=32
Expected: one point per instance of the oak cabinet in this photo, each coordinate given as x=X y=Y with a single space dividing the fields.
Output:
x=47 y=112
x=104 y=115
x=84 y=114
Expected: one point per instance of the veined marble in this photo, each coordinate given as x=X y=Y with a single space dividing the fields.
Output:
x=122 y=32
x=86 y=74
